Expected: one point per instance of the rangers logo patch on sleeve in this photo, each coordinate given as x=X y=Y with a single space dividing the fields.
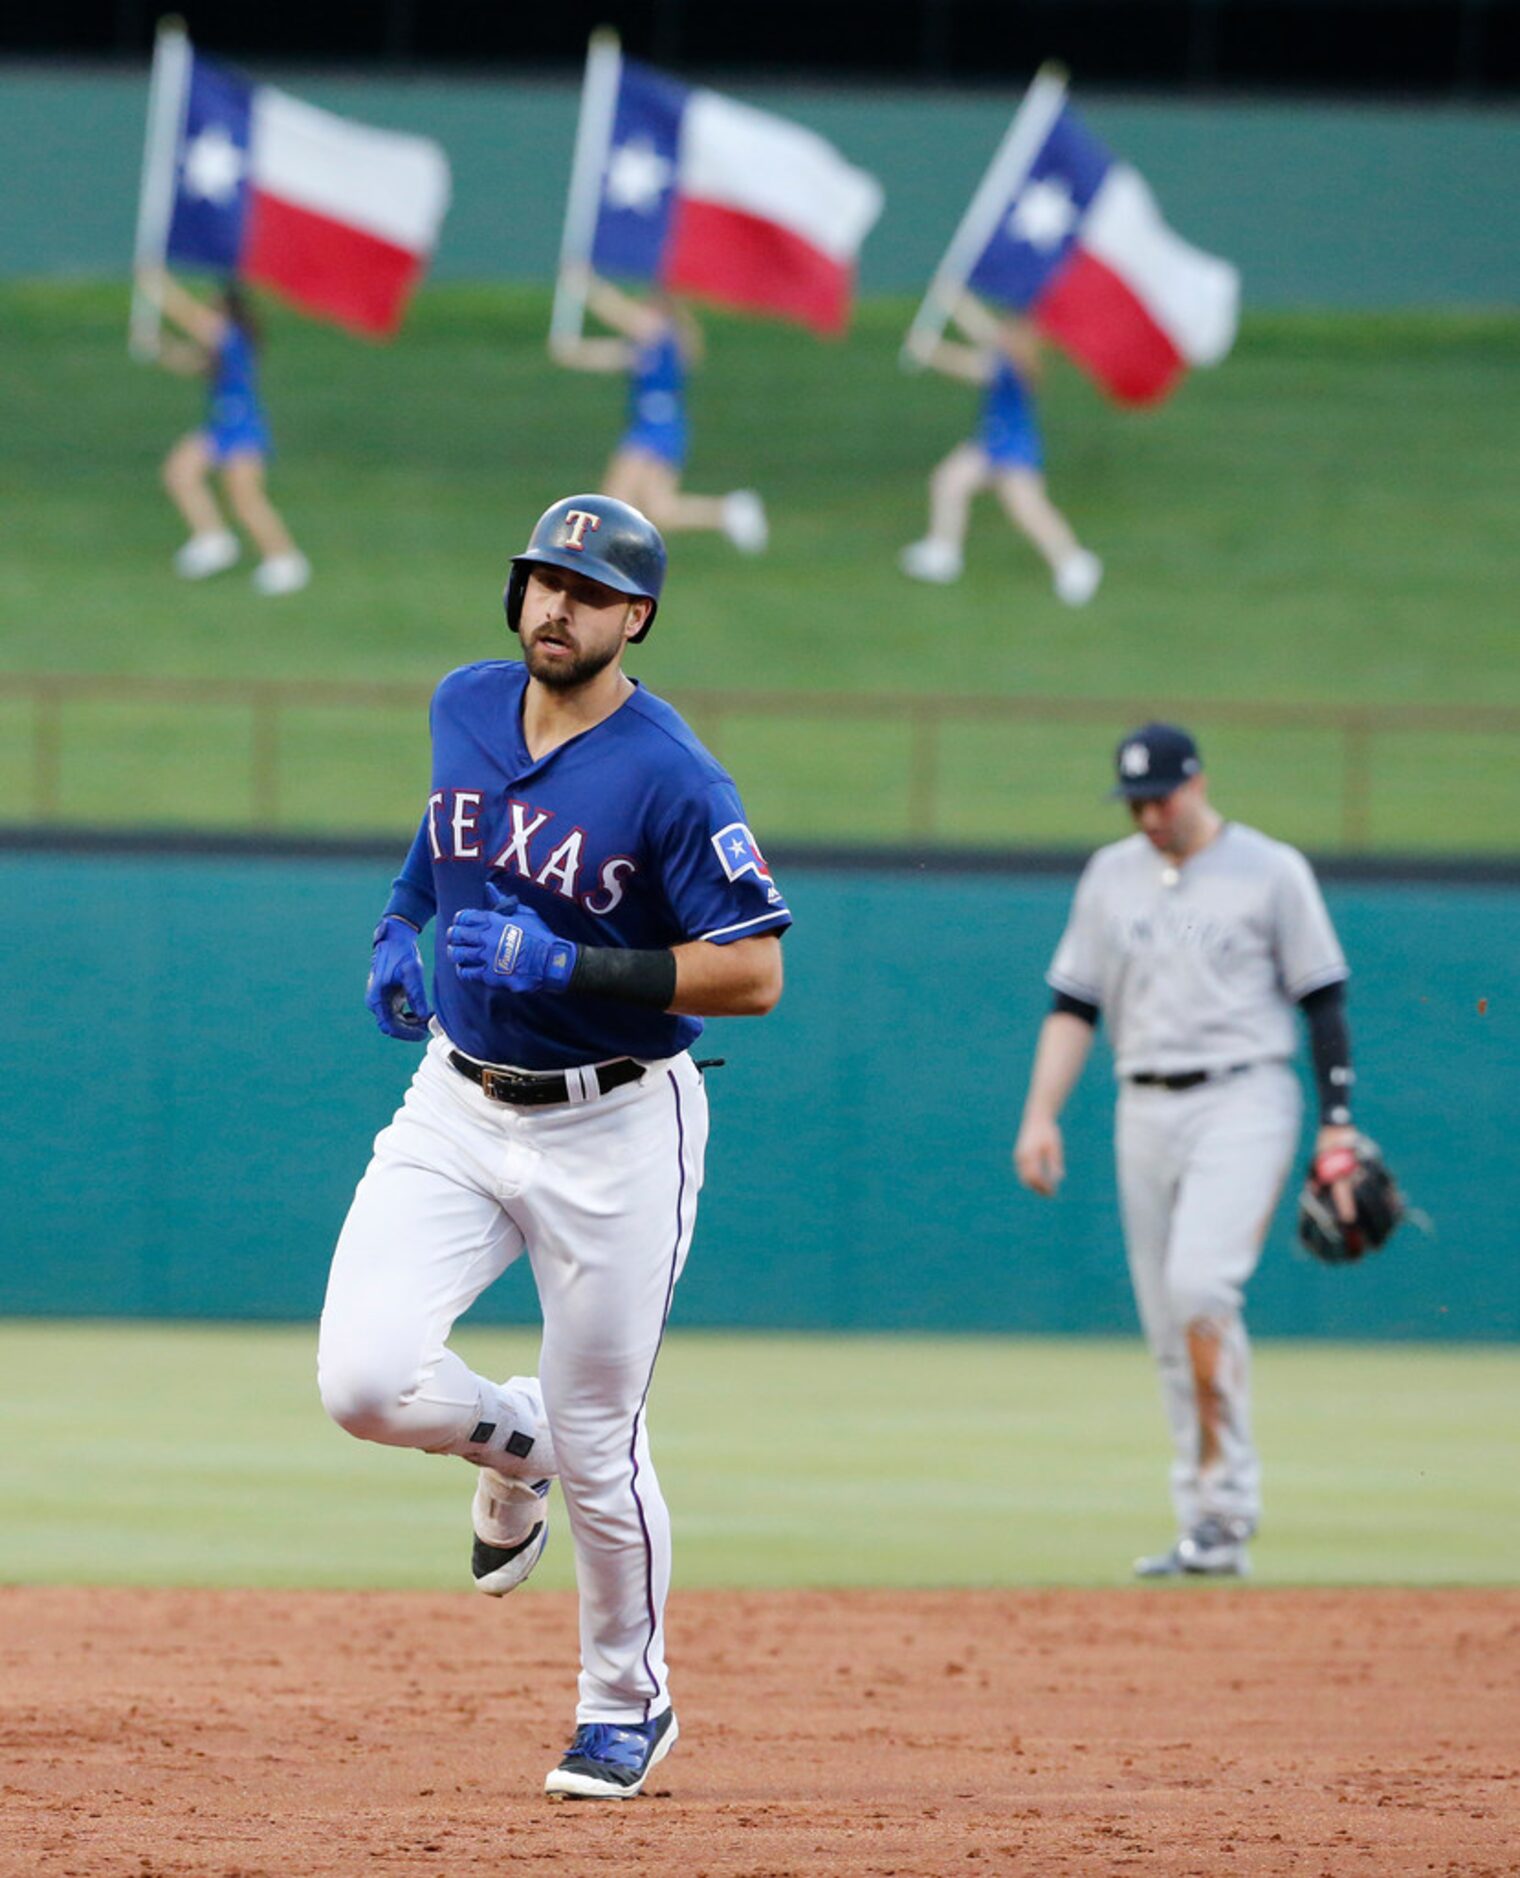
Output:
x=740 y=853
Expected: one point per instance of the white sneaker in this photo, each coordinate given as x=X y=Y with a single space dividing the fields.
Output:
x=207 y=554
x=511 y=1529
x=937 y=561
x=744 y=521
x=282 y=573
x=1078 y=577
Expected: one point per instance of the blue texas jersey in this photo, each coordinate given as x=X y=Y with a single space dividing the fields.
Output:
x=630 y=834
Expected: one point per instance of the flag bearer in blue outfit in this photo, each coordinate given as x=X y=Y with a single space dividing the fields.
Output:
x=221 y=342
x=657 y=342
x=1005 y=455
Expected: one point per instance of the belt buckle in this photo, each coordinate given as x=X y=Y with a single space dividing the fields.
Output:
x=497 y=1083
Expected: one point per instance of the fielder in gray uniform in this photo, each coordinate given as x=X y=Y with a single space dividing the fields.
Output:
x=1196 y=937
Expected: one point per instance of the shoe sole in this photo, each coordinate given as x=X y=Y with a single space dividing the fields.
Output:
x=1233 y=1568
x=1176 y=1568
x=562 y=1786
x=509 y=1576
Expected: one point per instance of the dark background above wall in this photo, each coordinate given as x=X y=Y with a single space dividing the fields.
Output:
x=1437 y=48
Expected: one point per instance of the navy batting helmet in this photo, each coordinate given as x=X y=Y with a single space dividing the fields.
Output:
x=601 y=538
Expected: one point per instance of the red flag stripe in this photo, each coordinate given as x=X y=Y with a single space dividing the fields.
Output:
x=1096 y=317
x=328 y=268
x=744 y=261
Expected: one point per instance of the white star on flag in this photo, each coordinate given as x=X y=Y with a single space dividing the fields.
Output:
x=213 y=165
x=637 y=177
x=1044 y=214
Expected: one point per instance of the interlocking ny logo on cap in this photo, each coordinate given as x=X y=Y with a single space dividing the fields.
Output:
x=1135 y=759
x=577 y=521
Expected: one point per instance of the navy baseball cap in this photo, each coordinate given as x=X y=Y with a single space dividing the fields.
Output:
x=1153 y=761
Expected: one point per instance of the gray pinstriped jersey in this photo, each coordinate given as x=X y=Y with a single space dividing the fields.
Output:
x=1198 y=967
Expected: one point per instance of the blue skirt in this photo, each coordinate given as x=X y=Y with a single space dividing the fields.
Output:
x=666 y=441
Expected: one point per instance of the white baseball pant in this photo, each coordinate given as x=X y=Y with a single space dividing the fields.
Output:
x=1200 y=1172
x=602 y=1196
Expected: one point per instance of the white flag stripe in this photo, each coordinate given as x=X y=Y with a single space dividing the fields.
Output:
x=1193 y=296
x=384 y=182
x=743 y=159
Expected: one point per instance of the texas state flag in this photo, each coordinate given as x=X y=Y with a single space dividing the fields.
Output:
x=708 y=196
x=1079 y=243
x=338 y=217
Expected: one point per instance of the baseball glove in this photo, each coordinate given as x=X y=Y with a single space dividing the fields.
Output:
x=1379 y=1204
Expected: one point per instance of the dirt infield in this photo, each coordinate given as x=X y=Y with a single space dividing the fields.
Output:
x=1188 y=1730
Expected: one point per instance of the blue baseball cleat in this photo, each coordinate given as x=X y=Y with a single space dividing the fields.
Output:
x=612 y=1760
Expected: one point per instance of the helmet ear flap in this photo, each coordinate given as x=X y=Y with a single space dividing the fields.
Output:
x=512 y=597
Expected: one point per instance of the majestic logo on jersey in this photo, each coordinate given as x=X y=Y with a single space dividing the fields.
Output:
x=1134 y=759
x=577 y=521
x=740 y=853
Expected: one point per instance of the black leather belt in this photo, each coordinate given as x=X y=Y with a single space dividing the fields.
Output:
x=535 y=1089
x=1187 y=1078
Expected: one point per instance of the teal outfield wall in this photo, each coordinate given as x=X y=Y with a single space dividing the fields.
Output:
x=191 y=1084
x=1350 y=206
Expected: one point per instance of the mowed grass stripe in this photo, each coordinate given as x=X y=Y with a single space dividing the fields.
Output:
x=787 y=1461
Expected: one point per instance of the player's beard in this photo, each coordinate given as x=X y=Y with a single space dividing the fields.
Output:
x=569 y=674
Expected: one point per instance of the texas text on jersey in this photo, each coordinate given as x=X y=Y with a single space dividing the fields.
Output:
x=668 y=862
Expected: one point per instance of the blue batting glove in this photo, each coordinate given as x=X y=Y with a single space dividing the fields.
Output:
x=507 y=947
x=397 y=989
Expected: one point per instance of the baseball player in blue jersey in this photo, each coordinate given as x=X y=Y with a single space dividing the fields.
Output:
x=1005 y=455
x=221 y=342
x=1196 y=939
x=658 y=342
x=597 y=893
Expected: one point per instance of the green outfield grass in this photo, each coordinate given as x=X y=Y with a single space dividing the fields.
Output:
x=189 y=1455
x=1329 y=517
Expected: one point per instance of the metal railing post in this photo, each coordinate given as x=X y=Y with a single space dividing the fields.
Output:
x=264 y=757
x=47 y=754
x=924 y=723
x=1356 y=796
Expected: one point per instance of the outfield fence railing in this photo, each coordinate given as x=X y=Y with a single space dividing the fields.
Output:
x=923 y=724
